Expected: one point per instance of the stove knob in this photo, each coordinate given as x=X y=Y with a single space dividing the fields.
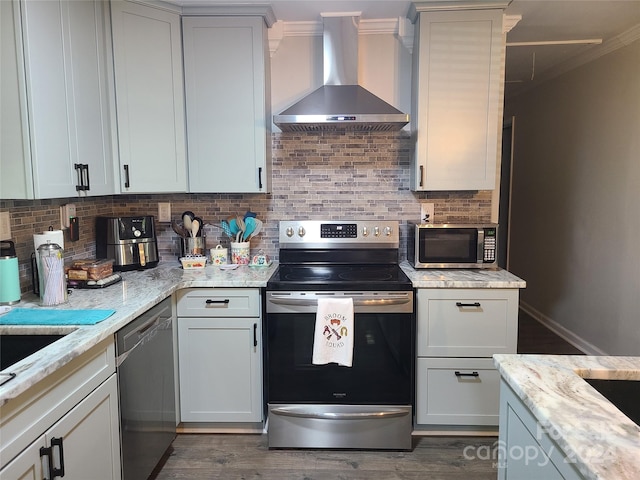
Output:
x=289 y=231
x=301 y=231
x=387 y=231
x=136 y=232
x=376 y=231
x=365 y=231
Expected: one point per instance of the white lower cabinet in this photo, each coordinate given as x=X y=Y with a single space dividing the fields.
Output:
x=457 y=391
x=527 y=451
x=82 y=445
x=458 y=331
x=220 y=355
x=66 y=426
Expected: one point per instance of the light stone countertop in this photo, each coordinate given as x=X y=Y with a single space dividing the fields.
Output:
x=604 y=442
x=462 y=278
x=136 y=293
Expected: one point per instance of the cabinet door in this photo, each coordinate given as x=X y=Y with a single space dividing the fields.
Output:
x=90 y=435
x=457 y=99
x=220 y=369
x=90 y=442
x=28 y=465
x=15 y=162
x=150 y=98
x=227 y=96
x=67 y=78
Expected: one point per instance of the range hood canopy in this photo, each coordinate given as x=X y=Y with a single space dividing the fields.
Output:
x=341 y=103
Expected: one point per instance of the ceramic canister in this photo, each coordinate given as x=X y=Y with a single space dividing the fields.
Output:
x=9 y=274
x=219 y=255
x=240 y=253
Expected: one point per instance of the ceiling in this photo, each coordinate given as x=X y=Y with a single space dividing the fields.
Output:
x=542 y=21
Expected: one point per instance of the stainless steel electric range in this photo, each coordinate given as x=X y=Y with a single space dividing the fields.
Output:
x=368 y=405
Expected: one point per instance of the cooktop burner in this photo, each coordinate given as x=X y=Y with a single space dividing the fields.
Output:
x=345 y=277
x=339 y=255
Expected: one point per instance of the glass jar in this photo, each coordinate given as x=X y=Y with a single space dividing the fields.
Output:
x=53 y=283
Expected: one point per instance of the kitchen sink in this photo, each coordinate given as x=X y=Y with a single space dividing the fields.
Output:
x=624 y=394
x=14 y=348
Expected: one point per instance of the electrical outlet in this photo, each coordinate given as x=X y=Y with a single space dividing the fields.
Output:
x=426 y=212
x=5 y=226
x=66 y=212
x=164 y=212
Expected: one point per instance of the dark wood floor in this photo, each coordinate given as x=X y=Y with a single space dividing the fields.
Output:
x=231 y=457
x=533 y=337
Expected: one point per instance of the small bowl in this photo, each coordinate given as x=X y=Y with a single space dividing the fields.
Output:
x=193 y=262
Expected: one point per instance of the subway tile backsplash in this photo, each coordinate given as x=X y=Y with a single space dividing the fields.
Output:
x=323 y=175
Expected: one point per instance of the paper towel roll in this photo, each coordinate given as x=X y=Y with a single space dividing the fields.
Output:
x=51 y=236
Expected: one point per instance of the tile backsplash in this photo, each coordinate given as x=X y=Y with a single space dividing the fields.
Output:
x=324 y=175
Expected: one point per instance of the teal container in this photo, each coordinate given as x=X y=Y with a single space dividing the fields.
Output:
x=9 y=276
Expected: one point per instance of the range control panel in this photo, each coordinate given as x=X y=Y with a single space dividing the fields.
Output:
x=333 y=234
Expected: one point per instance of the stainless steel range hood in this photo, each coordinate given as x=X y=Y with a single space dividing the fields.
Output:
x=341 y=103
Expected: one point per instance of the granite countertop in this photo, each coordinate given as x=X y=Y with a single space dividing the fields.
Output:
x=465 y=278
x=137 y=292
x=604 y=442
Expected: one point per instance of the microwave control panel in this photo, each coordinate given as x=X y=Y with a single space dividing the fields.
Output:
x=489 y=245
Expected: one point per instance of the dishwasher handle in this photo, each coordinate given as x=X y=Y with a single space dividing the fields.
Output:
x=144 y=332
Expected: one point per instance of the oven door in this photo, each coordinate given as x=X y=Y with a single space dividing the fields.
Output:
x=383 y=358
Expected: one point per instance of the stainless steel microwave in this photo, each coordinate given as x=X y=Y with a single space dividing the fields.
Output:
x=452 y=245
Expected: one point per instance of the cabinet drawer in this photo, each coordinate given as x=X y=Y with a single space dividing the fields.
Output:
x=219 y=302
x=469 y=397
x=467 y=323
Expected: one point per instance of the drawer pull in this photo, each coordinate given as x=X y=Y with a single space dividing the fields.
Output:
x=58 y=472
x=472 y=374
x=474 y=304
x=47 y=452
x=209 y=301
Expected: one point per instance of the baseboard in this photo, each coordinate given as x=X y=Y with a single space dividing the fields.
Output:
x=564 y=333
x=248 y=428
x=457 y=431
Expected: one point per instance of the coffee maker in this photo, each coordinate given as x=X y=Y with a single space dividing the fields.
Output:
x=130 y=241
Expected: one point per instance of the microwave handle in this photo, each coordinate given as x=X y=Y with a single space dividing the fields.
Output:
x=480 y=249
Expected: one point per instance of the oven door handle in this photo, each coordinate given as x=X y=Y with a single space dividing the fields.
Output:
x=303 y=413
x=357 y=302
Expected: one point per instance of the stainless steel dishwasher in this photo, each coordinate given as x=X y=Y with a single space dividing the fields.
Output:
x=146 y=389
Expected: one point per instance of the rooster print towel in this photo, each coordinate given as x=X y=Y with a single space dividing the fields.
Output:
x=333 y=336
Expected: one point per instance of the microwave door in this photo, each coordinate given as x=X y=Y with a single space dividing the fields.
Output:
x=449 y=246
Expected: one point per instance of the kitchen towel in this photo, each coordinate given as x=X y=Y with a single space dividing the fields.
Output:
x=333 y=335
x=43 y=316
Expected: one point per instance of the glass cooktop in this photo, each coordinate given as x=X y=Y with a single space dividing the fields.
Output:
x=343 y=277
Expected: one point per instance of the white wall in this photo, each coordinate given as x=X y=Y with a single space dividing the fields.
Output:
x=575 y=229
x=384 y=68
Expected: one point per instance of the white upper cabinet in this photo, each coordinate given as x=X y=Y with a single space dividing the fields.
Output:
x=227 y=92
x=457 y=94
x=150 y=98
x=56 y=61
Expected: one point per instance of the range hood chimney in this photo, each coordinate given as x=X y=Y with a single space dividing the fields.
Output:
x=341 y=104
